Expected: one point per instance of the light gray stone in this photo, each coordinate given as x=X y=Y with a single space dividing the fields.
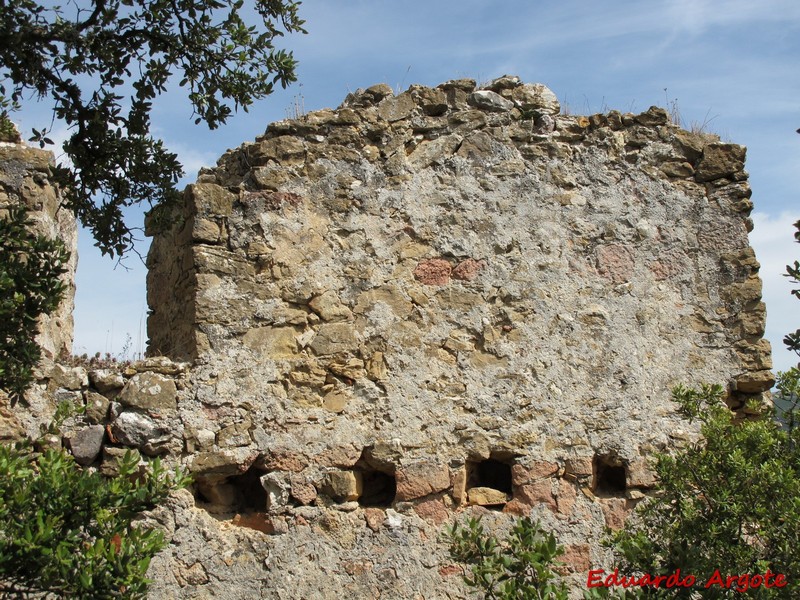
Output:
x=149 y=391
x=489 y=100
x=69 y=378
x=86 y=443
x=136 y=430
x=106 y=380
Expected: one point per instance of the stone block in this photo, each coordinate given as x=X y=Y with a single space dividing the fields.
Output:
x=224 y=463
x=432 y=510
x=537 y=97
x=536 y=493
x=486 y=496
x=330 y=308
x=97 y=407
x=210 y=199
x=149 y=391
x=577 y=557
x=106 y=380
x=489 y=100
x=68 y=378
x=302 y=490
x=615 y=511
x=136 y=430
x=579 y=466
x=86 y=443
x=640 y=474
x=11 y=430
x=272 y=342
x=334 y=338
x=421 y=479
x=720 y=160
x=754 y=382
x=522 y=474
x=344 y=486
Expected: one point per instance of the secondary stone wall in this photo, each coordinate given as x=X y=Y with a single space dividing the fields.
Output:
x=451 y=299
x=25 y=179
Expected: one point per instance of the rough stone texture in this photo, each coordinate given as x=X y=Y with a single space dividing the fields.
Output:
x=406 y=286
x=85 y=444
x=25 y=179
x=149 y=391
x=453 y=300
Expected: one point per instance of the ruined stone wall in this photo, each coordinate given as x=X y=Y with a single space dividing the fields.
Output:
x=24 y=179
x=450 y=299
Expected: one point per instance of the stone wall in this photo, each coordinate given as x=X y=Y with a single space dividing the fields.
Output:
x=452 y=299
x=380 y=318
x=24 y=179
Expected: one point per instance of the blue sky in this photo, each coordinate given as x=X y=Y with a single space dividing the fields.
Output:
x=732 y=64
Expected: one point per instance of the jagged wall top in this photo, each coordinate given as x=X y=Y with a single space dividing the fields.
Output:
x=503 y=133
x=387 y=300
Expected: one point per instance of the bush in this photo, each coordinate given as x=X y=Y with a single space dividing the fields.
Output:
x=730 y=502
x=521 y=566
x=66 y=532
x=30 y=267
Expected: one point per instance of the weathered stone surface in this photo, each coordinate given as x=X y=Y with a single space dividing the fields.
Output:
x=209 y=199
x=334 y=338
x=537 y=492
x=435 y=271
x=521 y=474
x=149 y=391
x=485 y=496
x=755 y=381
x=137 y=430
x=421 y=479
x=615 y=511
x=535 y=96
x=489 y=100
x=11 y=430
x=106 y=380
x=344 y=485
x=85 y=444
x=25 y=175
x=720 y=160
x=68 y=378
x=273 y=342
x=222 y=464
x=414 y=282
x=577 y=557
x=330 y=308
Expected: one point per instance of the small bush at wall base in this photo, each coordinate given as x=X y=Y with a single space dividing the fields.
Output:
x=730 y=502
x=66 y=532
x=521 y=566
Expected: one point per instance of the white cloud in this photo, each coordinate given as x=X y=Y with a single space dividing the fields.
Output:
x=773 y=240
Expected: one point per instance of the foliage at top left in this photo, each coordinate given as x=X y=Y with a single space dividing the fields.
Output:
x=102 y=63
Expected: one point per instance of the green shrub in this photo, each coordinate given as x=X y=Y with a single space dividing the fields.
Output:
x=730 y=502
x=520 y=566
x=30 y=267
x=67 y=532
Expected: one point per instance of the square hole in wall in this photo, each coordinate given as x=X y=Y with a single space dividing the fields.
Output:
x=378 y=489
x=609 y=477
x=489 y=482
x=238 y=493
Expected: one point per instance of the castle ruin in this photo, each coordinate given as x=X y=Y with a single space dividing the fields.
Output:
x=373 y=320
